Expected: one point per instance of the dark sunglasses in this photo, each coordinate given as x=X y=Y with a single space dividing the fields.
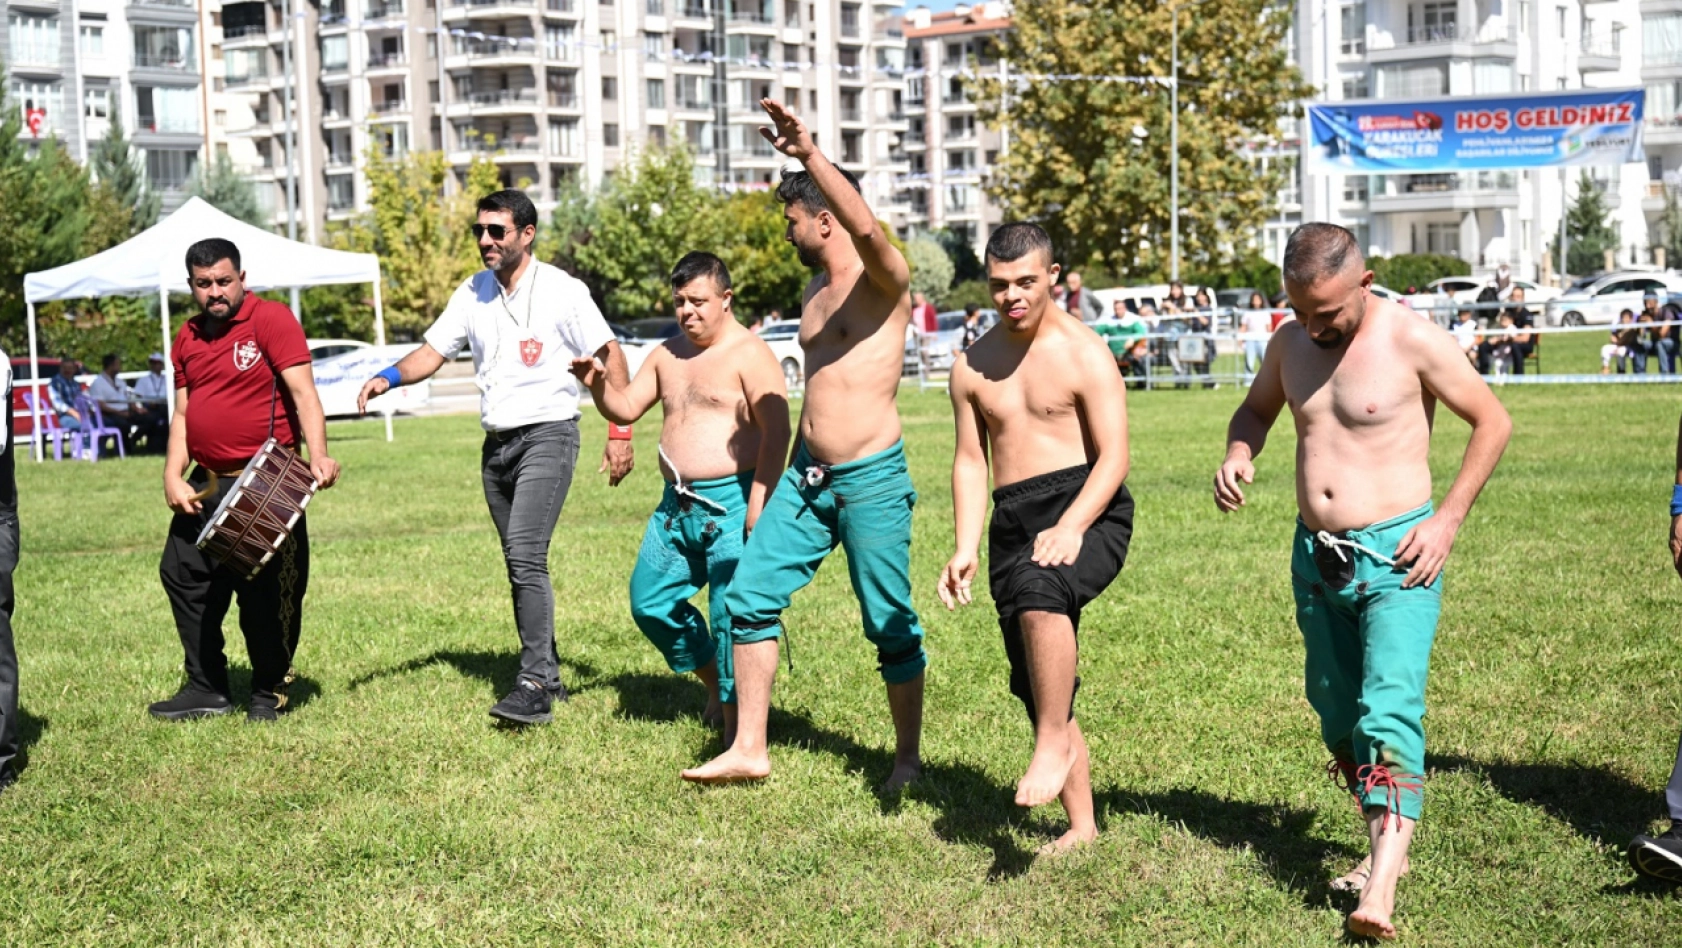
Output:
x=497 y=231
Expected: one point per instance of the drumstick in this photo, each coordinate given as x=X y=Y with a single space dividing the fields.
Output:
x=209 y=488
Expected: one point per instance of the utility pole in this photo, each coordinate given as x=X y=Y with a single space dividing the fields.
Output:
x=286 y=116
x=721 y=97
x=1174 y=141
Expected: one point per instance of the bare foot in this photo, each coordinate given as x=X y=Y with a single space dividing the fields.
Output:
x=732 y=766
x=1046 y=774
x=1356 y=879
x=1068 y=842
x=904 y=773
x=1371 y=923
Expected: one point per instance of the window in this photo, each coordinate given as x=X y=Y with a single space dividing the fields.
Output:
x=610 y=88
x=93 y=39
x=167 y=109
x=432 y=91
x=1521 y=15
x=1492 y=76
x=1662 y=100
x=656 y=8
x=657 y=135
x=656 y=93
x=1443 y=238
x=1354 y=18
x=1661 y=39
x=960 y=126
x=960 y=161
x=954 y=54
x=34 y=40
x=96 y=105
x=1435 y=23
x=563 y=138
x=221 y=117
x=170 y=169
x=335 y=52
x=431 y=46
x=33 y=94
x=850 y=20
x=341 y=193
x=1354 y=189
x=610 y=135
x=1407 y=81
x=610 y=41
x=164 y=47
x=1355 y=86
x=245 y=65
x=1563 y=14
x=560 y=43
x=960 y=198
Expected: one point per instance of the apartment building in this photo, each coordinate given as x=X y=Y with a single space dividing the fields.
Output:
x=948 y=149
x=72 y=67
x=554 y=91
x=1440 y=48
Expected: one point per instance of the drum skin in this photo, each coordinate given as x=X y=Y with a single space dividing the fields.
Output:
x=255 y=518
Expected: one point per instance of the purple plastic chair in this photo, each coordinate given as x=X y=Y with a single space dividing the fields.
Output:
x=51 y=430
x=95 y=430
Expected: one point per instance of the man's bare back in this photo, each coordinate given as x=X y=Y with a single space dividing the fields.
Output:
x=708 y=430
x=1030 y=399
x=1363 y=419
x=854 y=337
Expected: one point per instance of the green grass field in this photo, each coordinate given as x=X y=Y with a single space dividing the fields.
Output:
x=387 y=810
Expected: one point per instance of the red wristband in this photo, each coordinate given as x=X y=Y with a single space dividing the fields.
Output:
x=618 y=432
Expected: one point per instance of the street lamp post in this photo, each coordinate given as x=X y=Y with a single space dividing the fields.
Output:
x=1174 y=140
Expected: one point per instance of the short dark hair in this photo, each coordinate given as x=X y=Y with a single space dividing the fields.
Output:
x=1318 y=250
x=970 y=309
x=697 y=264
x=211 y=251
x=797 y=187
x=1016 y=240
x=109 y=359
x=515 y=202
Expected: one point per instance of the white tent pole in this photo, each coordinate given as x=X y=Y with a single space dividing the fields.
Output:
x=35 y=388
x=379 y=340
x=163 y=310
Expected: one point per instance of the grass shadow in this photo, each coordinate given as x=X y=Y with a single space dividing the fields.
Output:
x=499 y=669
x=973 y=809
x=30 y=729
x=1282 y=837
x=303 y=690
x=1598 y=805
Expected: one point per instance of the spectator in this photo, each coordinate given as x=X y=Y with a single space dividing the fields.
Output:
x=1644 y=342
x=120 y=407
x=1125 y=335
x=775 y=316
x=152 y=388
x=1503 y=345
x=63 y=391
x=1523 y=319
x=1255 y=324
x=756 y=325
x=1624 y=338
x=1079 y=301
x=972 y=326
x=1667 y=336
x=923 y=314
x=1176 y=301
x=1488 y=309
x=1465 y=331
x=1658 y=340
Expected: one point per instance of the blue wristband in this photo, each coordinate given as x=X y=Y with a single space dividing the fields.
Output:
x=391 y=375
x=1676 y=501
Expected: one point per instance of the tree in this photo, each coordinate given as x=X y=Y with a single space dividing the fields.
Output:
x=1670 y=228
x=1089 y=160
x=224 y=188
x=1415 y=269
x=121 y=179
x=931 y=269
x=763 y=266
x=1589 y=225
x=650 y=214
x=966 y=265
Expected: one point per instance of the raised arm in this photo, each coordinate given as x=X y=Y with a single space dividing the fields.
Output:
x=1246 y=434
x=767 y=397
x=1103 y=400
x=885 y=266
x=969 y=488
x=417 y=366
x=1445 y=373
x=300 y=384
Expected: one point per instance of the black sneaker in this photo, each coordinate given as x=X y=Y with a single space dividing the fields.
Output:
x=190 y=703
x=557 y=690
x=1658 y=856
x=8 y=776
x=528 y=703
x=265 y=708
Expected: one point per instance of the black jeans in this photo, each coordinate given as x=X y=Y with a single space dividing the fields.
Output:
x=527 y=472
x=8 y=655
x=270 y=604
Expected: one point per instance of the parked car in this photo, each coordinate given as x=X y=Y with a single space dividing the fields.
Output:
x=938 y=350
x=322 y=349
x=1600 y=302
x=784 y=340
x=1467 y=289
x=339 y=379
x=1137 y=296
x=1236 y=298
x=654 y=330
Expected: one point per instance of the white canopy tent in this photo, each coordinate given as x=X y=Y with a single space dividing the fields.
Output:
x=154 y=261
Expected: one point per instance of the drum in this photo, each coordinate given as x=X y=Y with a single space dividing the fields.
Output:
x=257 y=516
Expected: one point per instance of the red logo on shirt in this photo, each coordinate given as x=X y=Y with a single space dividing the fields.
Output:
x=246 y=354
x=530 y=351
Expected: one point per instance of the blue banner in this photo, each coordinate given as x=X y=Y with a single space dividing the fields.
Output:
x=1538 y=130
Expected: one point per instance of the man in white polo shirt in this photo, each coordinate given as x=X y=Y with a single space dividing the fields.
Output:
x=524 y=321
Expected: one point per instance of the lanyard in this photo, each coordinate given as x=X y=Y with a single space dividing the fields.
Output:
x=531 y=294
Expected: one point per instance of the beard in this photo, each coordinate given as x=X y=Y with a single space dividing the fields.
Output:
x=808 y=259
x=1335 y=342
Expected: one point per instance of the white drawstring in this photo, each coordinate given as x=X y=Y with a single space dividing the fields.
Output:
x=1326 y=539
x=684 y=490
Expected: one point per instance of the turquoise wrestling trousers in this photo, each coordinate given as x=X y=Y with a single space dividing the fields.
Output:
x=1368 y=644
x=690 y=543
x=863 y=506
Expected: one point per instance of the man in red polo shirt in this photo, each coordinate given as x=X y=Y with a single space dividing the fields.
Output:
x=243 y=365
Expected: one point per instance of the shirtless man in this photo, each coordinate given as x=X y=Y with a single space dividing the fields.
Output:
x=848 y=482
x=1363 y=378
x=722 y=446
x=1040 y=394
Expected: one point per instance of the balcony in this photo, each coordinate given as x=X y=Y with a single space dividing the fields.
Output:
x=564 y=100
x=1657 y=193
x=176 y=64
x=1446 y=41
x=382 y=11
x=503 y=102
x=689 y=10
x=1601 y=53
x=395 y=60
x=340 y=161
x=509 y=53
x=257 y=78
x=390 y=108
x=1482 y=190
x=245 y=37
x=1663 y=130
x=514 y=148
x=852 y=116
x=163 y=11
x=493 y=9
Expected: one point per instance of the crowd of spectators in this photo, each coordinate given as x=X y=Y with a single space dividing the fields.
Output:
x=138 y=413
x=1635 y=339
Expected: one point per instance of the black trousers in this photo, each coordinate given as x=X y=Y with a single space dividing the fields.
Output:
x=270 y=604
x=8 y=655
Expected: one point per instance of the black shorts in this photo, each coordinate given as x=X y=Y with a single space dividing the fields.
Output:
x=1020 y=512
